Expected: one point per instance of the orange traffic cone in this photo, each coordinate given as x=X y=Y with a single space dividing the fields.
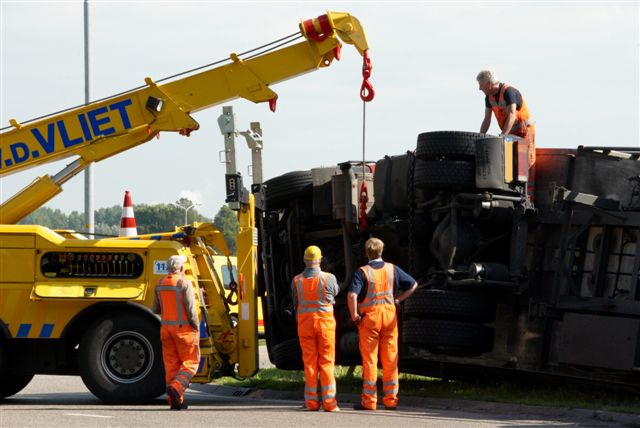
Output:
x=128 y=221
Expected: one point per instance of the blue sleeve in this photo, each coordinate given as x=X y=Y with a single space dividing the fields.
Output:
x=357 y=283
x=487 y=104
x=403 y=280
x=512 y=96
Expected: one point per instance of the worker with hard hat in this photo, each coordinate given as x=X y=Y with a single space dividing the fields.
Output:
x=174 y=300
x=509 y=108
x=313 y=293
x=372 y=305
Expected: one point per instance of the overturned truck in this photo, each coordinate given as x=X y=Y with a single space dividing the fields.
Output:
x=518 y=273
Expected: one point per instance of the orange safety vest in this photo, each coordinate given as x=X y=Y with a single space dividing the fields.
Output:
x=499 y=108
x=380 y=286
x=174 y=311
x=312 y=294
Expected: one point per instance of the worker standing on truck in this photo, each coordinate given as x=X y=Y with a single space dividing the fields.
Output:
x=314 y=294
x=507 y=104
x=372 y=306
x=175 y=301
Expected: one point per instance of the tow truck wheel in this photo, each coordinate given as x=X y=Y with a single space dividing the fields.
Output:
x=120 y=359
x=10 y=384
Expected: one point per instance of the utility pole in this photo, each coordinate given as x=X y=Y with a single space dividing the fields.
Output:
x=88 y=172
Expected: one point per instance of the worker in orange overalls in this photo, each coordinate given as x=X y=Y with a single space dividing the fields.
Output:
x=372 y=306
x=175 y=301
x=313 y=293
x=509 y=108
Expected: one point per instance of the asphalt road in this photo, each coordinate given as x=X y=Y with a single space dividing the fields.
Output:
x=62 y=401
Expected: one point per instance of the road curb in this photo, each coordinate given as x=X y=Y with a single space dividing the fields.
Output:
x=413 y=402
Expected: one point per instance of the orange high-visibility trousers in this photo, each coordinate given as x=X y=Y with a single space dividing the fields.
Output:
x=317 y=334
x=180 y=354
x=378 y=332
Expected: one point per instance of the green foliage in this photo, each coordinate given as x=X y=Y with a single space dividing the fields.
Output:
x=522 y=392
x=149 y=218
x=53 y=219
x=227 y=222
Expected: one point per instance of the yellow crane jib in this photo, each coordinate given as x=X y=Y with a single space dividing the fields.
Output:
x=109 y=126
x=350 y=31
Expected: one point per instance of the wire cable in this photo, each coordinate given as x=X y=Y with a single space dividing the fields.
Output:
x=278 y=43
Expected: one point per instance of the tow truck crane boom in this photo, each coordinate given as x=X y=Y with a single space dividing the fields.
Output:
x=102 y=129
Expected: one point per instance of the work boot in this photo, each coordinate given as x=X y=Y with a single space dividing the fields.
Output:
x=390 y=407
x=174 y=399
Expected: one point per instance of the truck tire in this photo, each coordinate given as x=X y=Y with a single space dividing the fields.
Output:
x=448 y=337
x=449 y=304
x=436 y=174
x=447 y=144
x=292 y=185
x=120 y=359
x=10 y=384
x=287 y=355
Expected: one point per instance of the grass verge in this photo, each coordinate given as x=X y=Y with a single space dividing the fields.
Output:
x=565 y=395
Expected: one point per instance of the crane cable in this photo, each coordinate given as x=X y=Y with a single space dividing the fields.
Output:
x=367 y=94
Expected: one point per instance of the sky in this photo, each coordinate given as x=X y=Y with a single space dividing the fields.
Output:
x=576 y=64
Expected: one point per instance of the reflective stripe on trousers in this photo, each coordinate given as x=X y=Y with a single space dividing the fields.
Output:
x=180 y=355
x=378 y=333
x=316 y=332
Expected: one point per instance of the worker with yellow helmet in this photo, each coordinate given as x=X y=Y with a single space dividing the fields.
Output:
x=314 y=294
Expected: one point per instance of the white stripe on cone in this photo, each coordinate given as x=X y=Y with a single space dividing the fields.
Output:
x=128 y=220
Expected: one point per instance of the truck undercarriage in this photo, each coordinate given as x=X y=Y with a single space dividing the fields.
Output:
x=518 y=273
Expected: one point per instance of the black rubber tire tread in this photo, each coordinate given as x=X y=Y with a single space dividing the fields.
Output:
x=448 y=144
x=281 y=189
x=434 y=174
x=449 y=337
x=93 y=374
x=287 y=355
x=12 y=384
x=449 y=304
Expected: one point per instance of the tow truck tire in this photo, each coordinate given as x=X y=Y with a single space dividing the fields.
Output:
x=292 y=185
x=434 y=174
x=10 y=384
x=120 y=359
x=287 y=355
x=448 y=337
x=449 y=304
x=447 y=144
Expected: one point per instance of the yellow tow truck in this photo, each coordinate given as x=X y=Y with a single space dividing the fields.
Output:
x=73 y=306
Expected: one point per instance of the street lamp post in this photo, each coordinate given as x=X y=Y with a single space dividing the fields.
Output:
x=186 y=209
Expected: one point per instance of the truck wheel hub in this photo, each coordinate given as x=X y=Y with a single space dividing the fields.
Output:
x=127 y=357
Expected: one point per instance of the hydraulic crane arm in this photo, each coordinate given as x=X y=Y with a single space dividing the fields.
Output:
x=102 y=129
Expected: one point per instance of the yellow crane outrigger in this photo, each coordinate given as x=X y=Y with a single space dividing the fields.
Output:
x=71 y=305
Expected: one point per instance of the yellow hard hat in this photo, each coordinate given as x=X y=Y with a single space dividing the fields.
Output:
x=312 y=253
